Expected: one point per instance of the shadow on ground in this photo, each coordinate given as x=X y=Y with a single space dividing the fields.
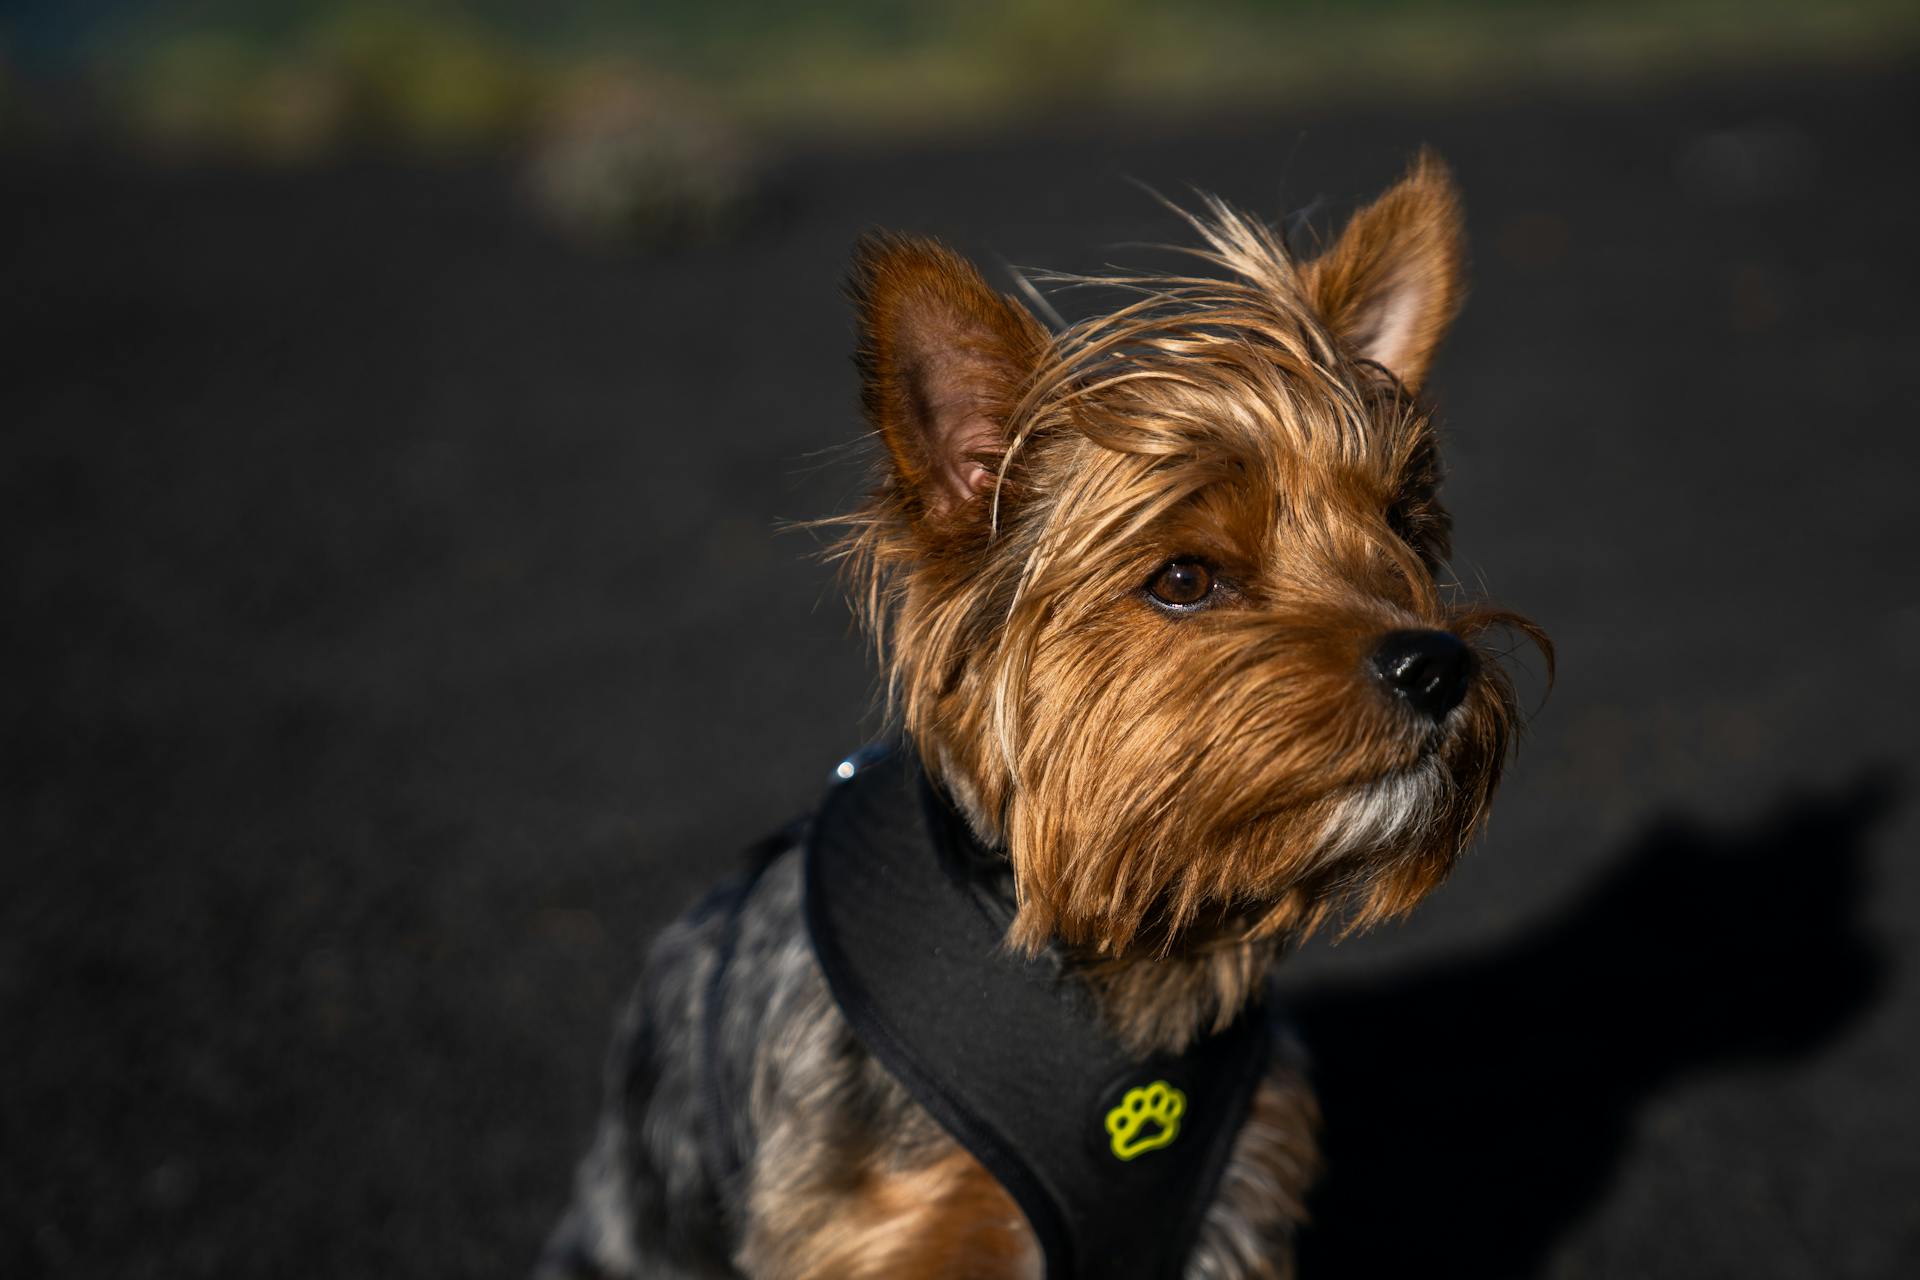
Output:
x=1474 y=1111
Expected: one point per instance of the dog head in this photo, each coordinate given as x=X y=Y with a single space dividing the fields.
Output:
x=1158 y=596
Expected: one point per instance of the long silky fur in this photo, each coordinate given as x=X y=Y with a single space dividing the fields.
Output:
x=1169 y=787
x=1180 y=796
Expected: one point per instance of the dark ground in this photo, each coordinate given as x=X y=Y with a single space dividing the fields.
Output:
x=399 y=635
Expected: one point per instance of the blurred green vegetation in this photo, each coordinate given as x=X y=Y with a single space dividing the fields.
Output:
x=294 y=77
x=414 y=75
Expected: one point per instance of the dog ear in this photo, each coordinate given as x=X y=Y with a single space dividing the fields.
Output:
x=1391 y=284
x=944 y=360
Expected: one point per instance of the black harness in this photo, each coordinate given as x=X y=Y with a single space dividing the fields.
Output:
x=1113 y=1159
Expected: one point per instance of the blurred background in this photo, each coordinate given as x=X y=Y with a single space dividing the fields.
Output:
x=402 y=407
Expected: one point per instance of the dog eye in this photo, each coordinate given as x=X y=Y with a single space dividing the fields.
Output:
x=1181 y=584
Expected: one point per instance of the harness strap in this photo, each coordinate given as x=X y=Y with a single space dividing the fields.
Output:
x=1112 y=1157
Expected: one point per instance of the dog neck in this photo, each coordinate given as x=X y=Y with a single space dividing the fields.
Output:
x=1158 y=998
x=1164 y=1002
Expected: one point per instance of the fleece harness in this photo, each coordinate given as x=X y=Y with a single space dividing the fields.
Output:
x=1113 y=1159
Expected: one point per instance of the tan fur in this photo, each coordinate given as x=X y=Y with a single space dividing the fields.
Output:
x=1261 y=1202
x=1172 y=789
x=1392 y=284
x=1184 y=781
x=941 y=349
x=1181 y=793
x=855 y=1181
x=948 y=1220
x=919 y=1206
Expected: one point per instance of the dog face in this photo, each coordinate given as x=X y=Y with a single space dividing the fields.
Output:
x=1157 y=596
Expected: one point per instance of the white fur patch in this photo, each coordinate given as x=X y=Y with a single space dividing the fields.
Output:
x=1379 y=814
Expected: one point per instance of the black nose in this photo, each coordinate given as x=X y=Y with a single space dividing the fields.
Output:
x=1430 y=669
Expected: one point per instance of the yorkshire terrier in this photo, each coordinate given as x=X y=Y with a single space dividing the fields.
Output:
x=1156 y=597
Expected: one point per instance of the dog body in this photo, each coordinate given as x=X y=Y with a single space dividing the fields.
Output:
x=848 y=1176
x=1157 y=604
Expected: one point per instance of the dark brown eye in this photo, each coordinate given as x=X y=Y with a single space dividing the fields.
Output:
x=1181 y=584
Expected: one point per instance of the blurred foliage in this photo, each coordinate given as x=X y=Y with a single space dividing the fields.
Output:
x=287 y=76
x=636 y=114
x=391 y=73
x=624 y=156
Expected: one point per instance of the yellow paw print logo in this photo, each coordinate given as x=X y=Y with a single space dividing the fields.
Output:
x=1146 y=1119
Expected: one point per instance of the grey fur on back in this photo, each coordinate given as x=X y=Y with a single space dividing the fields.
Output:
x=804 y=1103
x=645 y=1197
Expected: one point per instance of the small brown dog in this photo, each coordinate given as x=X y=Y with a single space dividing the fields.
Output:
x=1157 y=603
